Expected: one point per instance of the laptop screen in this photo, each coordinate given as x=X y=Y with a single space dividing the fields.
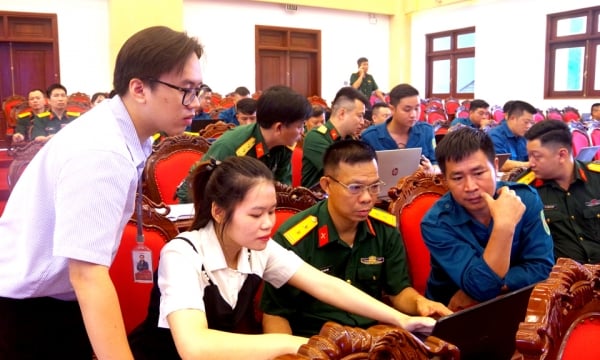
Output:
x=396 y=164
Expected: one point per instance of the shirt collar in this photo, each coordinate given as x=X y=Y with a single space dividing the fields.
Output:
x=213 y=257
x=139 y=151
x=328 y=233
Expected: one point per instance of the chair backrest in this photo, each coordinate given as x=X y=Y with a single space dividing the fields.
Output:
x=462 y=112
x=595 y=138
x=291 y=200
x=134 y=297
x=580 y=140
x=450 y=105
x=9 y=106
x=554 y=114
x=563 y=315
x=297 y=166
x=571 y=114
x=213 y=131
x=169 y=165
x=22 y=154
x=412 y=197
x=434 y=115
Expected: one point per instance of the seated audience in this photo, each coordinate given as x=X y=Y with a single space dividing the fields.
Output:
x=570 y=191
x=36 y=99
x=380 y=113
x=508 y=136
x=479 y=115
x=316 y=119
x=347 y=118
x=404 y=130
x=344 y=236
x=208 y=276
x=595 y=112
x=485 y=237
x=48 y=123
x=280 y=116
x=245 y=111
x=97 y=98
x=228 y=115
x=205 y=98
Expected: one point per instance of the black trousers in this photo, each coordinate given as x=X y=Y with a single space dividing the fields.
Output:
x=42 y=328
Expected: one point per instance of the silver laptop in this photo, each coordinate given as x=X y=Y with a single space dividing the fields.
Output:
x=396 y=164
x=587 y=153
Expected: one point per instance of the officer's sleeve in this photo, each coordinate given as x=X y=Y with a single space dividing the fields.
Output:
x=183 y=191
x=220 y=150
x=450 y=246
x=280 y=302
x=38 y=128
x=22 y=126
x=353 y=78
x=534 y=257
x=312 y=157
x=375 y=87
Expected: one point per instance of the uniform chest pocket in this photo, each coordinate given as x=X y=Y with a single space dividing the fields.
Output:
x=555 y=216
x=592 y=218
x=369 y=278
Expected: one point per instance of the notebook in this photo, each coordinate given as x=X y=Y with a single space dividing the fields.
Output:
x=586 y=154
x=395 y=164
x=486 y=330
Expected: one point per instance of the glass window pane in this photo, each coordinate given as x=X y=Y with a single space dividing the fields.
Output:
x=465 y=77
x=571 y=26
x=441 y=43
x=597 y=69
x=568 y=69
x=441 y=77
x=465 y=40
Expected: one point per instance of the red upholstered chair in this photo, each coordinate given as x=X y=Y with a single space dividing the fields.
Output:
x=422 y=109
x=571 y=114
x=563 y=315
x=434 y=115
x=554 y=114
x=297 y=166
x=169 y=165
x=411 y=198
x=462 y=112
x=9 y=105
x=594 y=134
x=450 y=105
x=580 y=139
x=134 y=297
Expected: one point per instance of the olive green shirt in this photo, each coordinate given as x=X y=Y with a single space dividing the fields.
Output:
x=573 y=215
x=246 y=140
x=367 y=86
x=316 y=142
x=47 y=123
x=24 y=123
x=376 y=263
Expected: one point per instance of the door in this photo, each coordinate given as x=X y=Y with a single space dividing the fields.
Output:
x=288 y=56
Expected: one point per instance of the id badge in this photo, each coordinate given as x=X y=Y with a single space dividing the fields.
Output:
x=142 y=264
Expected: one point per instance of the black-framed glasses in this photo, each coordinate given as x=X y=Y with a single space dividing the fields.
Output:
x=189 y=94
x=357 y=189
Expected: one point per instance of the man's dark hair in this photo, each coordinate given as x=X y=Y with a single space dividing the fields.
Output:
x=551 y=132
x=401 y=91
x=478 y=104
x=517 y=108
x=348 y=93
x=379 y=105
x=594 y=105
x=40 y=90
x=317 y=110
x=242 y=91
x=346 y=151
x=246 y=106
x=281 y=104
x=206 y=88
x=150 y=53
x=361 y=60
x=53 y=87
x=461 y=143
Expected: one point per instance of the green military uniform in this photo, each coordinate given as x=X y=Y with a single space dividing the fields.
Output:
x=24 y=123
x=376 y=263
x=246 y=140
x=574 y=215
x=367 y=86
x=48 y=123
x=316 y=142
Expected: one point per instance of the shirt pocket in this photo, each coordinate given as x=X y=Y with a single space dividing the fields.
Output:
x=592 y=218
x=555 y=217
x=369 y=279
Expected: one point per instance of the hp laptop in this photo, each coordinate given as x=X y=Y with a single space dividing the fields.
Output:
x=586 y=154
x=486 y=330
x=502 y=159
x=395 y=164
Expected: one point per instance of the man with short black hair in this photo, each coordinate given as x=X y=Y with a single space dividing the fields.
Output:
x=36 y=100
x=228 y=115
x=380 y=113
x=48 y=123
x=479 y=115
x=364 y=82
x=245 y=111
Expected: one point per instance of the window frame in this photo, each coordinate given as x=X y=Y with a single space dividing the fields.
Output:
x=453 y=54
x=589 y=40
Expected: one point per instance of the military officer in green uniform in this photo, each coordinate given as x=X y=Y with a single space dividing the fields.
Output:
x=280 y=116
x=347 y=118
x=364 y=82
x=344 y=236
x=36 y=99
x=48 y=123
x=570 y=191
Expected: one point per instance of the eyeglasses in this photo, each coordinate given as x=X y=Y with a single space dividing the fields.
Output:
x=357 y=189
x=189 y=94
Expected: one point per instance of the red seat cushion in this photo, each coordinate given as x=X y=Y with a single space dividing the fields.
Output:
x=171 y=170
x=581 y=343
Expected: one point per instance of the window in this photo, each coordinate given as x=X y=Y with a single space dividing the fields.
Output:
x=572 y=42
x=451 y=64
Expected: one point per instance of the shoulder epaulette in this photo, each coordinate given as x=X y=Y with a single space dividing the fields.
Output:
x=24 y=114
x=383 y=216
x=73 y=113
x=245 y=147
x=299 y=231
x=322 y=129
x=527 y=178
x=594 y=167
x=44 y=114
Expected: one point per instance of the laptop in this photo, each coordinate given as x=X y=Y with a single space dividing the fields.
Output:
x=198 y=125
x=587 y=153
x=486 y=330
x=396 y=164
x=502 y=159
